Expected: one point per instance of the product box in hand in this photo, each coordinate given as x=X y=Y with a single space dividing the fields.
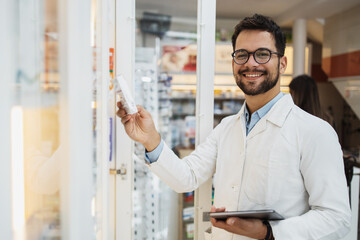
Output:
x=123 y=92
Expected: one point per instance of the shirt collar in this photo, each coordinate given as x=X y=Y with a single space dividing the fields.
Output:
x=265 y=109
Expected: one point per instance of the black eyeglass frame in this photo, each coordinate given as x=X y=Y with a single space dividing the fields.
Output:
x=253 y=53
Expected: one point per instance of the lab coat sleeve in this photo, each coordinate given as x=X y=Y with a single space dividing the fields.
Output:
x=322 y=169
x=187 y=174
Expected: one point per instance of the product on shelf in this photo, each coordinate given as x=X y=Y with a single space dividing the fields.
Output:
x=188 y=213
x=190 y=124
x=190 y=229
x=189 y=197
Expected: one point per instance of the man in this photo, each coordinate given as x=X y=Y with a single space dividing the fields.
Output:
x=270 y=155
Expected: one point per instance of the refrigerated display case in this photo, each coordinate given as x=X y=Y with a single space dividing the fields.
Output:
x=58 y=189
x=35 y=128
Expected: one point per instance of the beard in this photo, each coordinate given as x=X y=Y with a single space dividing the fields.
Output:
x=251 y=88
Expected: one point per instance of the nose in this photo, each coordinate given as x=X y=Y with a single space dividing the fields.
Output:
x=251 y=61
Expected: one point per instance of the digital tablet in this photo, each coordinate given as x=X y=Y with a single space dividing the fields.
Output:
x=265 y=214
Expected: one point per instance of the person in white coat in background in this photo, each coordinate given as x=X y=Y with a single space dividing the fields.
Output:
x=271 y=155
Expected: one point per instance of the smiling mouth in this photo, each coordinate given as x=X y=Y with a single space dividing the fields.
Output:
x=252 y=75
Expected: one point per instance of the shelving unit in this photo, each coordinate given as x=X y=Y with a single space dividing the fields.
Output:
x=152 y=201
x=188 y=221
x=186 y=206
x=224 y=106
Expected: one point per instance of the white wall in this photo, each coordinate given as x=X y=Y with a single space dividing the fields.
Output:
x=341 y=33
x=342 y=40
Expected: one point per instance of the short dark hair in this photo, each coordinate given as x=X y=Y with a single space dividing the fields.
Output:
x=260 y=22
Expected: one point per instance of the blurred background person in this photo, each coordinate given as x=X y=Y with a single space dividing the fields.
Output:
x=305 y=94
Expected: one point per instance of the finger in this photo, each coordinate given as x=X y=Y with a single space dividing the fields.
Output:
x=125 y=119
x=240 y=225
x=221 y=209
x=233 y=221
x=219 y=224
x=213 y=220
x=119 y=104
x=121 y=113
x=121 y=107
x=142 y=111
x=214 y=209
x=232 y=227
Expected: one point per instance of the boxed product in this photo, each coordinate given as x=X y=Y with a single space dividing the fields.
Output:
x=123 y=92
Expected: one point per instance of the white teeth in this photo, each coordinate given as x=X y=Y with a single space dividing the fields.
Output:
x=252 y=75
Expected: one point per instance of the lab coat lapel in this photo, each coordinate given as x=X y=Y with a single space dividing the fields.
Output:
x=279 y=112
x=277 y=115
x=258 y=128
x=241 y=116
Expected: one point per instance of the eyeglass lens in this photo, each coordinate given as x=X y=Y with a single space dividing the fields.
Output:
x=260 y=55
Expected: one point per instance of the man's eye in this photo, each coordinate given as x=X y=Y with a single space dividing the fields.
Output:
x=263 y=54
x=241 y=56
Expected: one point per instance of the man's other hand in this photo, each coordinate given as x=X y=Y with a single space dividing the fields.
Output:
x=253 y=228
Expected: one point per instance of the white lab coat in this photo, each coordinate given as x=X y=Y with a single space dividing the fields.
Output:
x=290 y=161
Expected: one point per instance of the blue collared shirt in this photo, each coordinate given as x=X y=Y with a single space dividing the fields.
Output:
x=154 y=154
x=250 y=123
x=257 y=115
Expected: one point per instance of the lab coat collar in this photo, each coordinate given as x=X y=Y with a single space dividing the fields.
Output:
x=276 y=115
x=279 y=112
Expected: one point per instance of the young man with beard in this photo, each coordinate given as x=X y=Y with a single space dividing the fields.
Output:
x=270 y=155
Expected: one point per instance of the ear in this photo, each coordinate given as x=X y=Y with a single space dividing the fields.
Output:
x=283 y=64
x=232 y=64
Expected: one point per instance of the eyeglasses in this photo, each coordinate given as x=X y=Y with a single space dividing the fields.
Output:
x=261 y=56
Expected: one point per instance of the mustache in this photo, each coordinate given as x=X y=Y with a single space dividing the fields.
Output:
x=255 y=70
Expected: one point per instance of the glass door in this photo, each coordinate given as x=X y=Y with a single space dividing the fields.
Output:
x=165 y=85
x=35 y=124
x=103 y=110
x=51 y=159
x=150 y=40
